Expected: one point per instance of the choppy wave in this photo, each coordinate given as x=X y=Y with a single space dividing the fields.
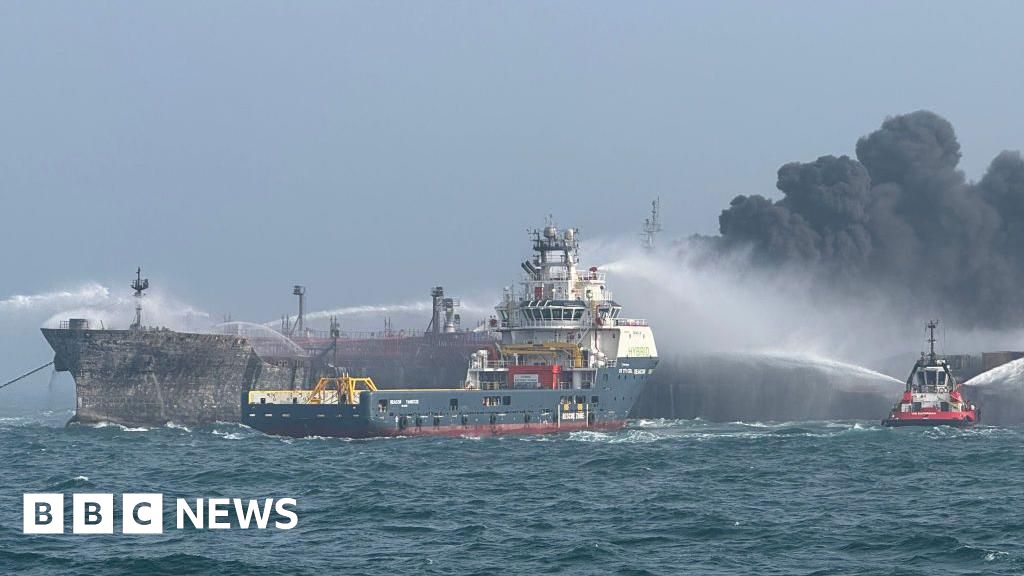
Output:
x=829 y=496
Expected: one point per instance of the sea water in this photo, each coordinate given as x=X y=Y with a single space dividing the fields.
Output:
x=660 y=497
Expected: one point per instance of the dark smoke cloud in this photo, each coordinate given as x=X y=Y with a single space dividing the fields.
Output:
x=900 y=217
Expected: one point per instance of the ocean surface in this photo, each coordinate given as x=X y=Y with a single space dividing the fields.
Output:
x=661 y=497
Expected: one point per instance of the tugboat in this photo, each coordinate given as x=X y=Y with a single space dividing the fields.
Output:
x=933 y=396
x=563 y=360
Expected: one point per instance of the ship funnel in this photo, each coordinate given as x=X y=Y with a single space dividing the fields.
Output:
x=437 y=310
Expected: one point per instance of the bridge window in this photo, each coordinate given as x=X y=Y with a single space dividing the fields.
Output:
x=382 y=406
x=506 y=400
x=453 y=404
x=492 y=401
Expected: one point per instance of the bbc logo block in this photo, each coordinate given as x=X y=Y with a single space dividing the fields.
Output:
x=43 y=513
x=144 y=513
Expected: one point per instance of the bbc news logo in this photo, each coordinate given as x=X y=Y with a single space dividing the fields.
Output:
x=144 y=513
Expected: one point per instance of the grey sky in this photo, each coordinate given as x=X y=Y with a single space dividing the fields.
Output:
x=371 y=150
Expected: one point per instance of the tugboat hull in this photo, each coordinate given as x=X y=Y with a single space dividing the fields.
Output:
x=955 y=419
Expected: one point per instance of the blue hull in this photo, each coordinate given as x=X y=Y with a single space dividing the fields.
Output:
x=607 y=405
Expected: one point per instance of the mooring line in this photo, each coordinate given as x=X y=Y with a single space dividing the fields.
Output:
x=27 y=374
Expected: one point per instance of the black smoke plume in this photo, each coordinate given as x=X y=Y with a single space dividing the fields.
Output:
x=901 y=217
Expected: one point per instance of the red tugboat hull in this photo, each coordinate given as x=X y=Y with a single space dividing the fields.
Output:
x=957 y=419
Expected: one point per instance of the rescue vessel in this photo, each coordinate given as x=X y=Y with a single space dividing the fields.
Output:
x=563 y=359
x=933 y=396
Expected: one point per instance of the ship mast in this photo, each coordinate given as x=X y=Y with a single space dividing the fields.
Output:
x=932 y=325
x=299 y=326
x=652 y=225
x=139 y=285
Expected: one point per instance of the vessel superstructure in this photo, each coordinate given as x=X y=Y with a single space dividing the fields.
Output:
x=564 y=359
x=933 y=396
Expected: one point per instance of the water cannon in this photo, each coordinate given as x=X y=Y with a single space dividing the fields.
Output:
x=530 y=269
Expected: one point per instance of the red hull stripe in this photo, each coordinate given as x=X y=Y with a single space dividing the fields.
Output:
x=518 y=429
x=967 y=415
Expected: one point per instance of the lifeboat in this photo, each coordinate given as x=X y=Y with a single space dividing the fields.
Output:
x=933 y=396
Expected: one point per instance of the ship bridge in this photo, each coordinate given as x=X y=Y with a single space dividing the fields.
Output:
x=564 y=317
x=931 y=378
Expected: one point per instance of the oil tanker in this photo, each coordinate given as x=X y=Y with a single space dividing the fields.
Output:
x=151 y=376
x=565 y=360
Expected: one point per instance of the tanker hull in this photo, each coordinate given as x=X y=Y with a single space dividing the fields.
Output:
x=152 y=377
x=149 y=377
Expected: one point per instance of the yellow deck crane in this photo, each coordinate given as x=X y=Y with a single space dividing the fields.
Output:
x=346 y=387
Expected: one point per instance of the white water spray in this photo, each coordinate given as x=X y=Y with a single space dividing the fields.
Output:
x=90 y=294
x=97 y=304
x=1008 y=375
x=266 y=341
x=721 y=305
x=421 y=309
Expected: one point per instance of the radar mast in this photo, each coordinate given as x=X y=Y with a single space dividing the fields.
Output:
x=932 y=325
x=652 y=225
x=139 y=285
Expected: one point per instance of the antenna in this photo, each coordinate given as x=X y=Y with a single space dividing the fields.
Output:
x=652 y=225
x=139 y=285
